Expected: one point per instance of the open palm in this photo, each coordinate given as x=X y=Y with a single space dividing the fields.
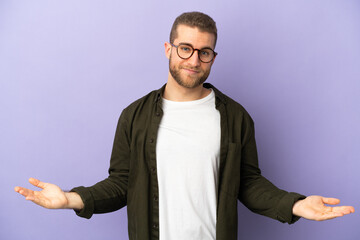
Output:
x=51 y=196
x=314 y=208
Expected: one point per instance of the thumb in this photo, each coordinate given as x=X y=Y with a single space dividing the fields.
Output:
x=37 y=183
x=332 y=201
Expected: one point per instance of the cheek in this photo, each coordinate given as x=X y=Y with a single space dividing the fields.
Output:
x=206 y=69
x=175 y=63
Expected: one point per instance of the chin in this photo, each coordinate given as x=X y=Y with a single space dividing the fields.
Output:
x=191 y=85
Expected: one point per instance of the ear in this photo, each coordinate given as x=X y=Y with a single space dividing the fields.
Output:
x=167 y=49
x=212 y=62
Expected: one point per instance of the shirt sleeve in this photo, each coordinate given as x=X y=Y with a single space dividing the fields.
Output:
x=256 y=192
x=110 y=194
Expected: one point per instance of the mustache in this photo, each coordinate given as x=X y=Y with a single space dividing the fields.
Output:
x=190 y=68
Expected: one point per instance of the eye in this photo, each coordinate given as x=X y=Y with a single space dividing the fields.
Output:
x=185 y=48
x=204 y=53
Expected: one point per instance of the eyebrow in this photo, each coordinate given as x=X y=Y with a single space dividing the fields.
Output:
x=206 y=47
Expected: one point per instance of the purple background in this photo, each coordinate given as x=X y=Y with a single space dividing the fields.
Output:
x=68 y=68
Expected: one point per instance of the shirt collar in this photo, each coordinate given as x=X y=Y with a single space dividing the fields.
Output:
x=218 y=95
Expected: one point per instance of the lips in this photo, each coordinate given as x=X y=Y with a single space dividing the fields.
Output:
x=191 y=71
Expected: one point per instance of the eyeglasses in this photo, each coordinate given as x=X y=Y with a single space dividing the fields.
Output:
x=185 y=51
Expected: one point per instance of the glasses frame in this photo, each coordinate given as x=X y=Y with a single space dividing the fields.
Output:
x=194 y=49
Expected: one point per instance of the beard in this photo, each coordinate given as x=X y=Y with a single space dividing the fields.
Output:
x=194 y=81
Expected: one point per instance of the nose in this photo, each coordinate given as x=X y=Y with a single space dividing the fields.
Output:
x=194 y=59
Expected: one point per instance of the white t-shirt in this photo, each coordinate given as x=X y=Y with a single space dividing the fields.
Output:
x=188 y=155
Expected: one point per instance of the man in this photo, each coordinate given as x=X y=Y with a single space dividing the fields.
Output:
x=183 y=155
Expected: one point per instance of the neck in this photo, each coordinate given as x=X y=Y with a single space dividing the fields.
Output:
x=175 y=92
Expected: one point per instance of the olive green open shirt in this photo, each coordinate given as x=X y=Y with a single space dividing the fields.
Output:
x=133 y=182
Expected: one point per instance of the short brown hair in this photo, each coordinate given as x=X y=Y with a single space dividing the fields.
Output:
x=194 y=19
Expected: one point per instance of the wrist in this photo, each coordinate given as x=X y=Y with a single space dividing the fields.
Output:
x=296 y=208
x=74 y=201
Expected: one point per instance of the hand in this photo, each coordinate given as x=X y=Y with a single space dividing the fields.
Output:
x=51 y=196
x=314 y=208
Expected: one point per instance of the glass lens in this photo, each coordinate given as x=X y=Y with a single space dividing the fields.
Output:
x=185 y=51
x=206 y=55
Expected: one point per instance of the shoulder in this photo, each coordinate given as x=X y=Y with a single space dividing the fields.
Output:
x=233 y=108
x=143 y=105
x=148 y=99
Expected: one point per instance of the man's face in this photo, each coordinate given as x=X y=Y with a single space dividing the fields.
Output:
x=191 y=72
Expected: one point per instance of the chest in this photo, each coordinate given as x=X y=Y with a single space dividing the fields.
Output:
x=194 y=130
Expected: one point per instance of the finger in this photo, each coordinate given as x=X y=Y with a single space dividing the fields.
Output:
x=331 y=201
x=344 y=209
x=30 y=198
x=24 y=191
x=327 y=215
x=37 y=183
x=351 y=208
x=331 y=215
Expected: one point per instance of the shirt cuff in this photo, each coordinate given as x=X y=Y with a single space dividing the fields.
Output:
x=88 y=201
x=285 y=207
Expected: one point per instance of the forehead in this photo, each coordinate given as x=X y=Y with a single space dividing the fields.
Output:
x=194 y=36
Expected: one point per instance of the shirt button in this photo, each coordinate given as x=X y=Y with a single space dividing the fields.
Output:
x=153 y=169
x=155 y=197
x=155 y=226
x=151 y=140
x=157 y=114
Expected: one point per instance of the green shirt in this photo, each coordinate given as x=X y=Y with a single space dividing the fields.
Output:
x=132 y=180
